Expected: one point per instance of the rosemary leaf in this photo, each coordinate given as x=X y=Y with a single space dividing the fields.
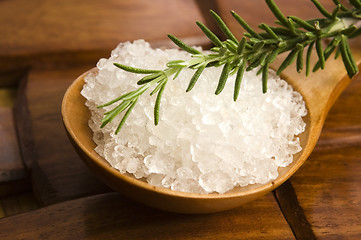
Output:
x=327 y=52
x=277 y=12
x=288 y=60
x=158 y=87
x=157 y=104
x=136 y=93
x=269 y=30
x=320 y=54
x=356 y=3
x=356 y=33
x=231 y=46
x=308 y=58
x=302 y=23
x=270 y=41
x=299 y=64
x=281 y=31
x=149 y=78
x=337 y=54
x=176 y=63
x=112 y=114
x=356 y=15
x=237 y=83
x=257 y=46
x=234 y=66
x=264 y=77
x=260 y=70
x=262 y=58
x=292 y=26
x=253 y=64
x=337 y=2
x=195 y=77
x=135 y=70
x=114 y=100
x=182 y=45
x=223 y=26
x=348 y=31
x=210 y=34
x=320 y=8
x=336 y=11
x=223 y=78
x=344 y=42
x=126 y=115
x=271 y=57
x=247 y=34
x=345 y=57
x=245 y=25
x=177 y=73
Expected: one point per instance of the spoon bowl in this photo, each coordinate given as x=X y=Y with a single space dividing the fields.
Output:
x=319 y=90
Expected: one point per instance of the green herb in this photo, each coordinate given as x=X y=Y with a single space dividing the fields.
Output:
x=255 y=49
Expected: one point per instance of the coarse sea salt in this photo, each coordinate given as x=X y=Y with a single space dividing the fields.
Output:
x=204 y=142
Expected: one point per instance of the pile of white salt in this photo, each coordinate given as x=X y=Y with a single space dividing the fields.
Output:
x=204 y=142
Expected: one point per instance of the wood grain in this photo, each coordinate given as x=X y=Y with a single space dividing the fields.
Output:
x=23 y=123
x=53 y=36
x=293 y=212
x=11 y=165
x=40 y=32
x=109 y=216
x=57 y=173
x=14 y=176
x=16 y=204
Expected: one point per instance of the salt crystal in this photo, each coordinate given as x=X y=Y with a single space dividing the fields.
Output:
x=185 y=173
x=216 y=181
x=132 y=165
x=204 y=142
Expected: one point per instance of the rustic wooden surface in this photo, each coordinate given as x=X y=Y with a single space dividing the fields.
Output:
x=11 y=163
x=47 y=44
x=109 y=216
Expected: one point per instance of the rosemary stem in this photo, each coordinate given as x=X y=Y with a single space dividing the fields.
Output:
x=255 y=49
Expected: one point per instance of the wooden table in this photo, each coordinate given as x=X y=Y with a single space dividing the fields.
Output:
x=46 y=192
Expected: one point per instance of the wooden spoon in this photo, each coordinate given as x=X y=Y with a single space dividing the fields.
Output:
x=320 y=90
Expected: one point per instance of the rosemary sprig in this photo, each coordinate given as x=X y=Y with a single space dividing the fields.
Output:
x=255 y=49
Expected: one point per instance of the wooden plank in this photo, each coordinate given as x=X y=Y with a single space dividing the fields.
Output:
x=58 y=173
x=293 y=212
x=23 y=124
x=20 y=203
x=11 y=165
x=14 y=175
x=328 y=186
x=42 y=32
x=60 y=176
x=111 y=216
x=7 y=96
